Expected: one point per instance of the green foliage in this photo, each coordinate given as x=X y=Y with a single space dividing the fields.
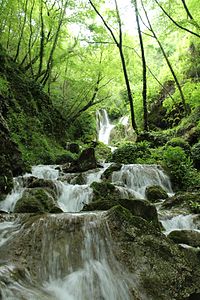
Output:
x=179 y=142
x=84 y=128
x=130 y=153
x=179 y=167
x=102 y=151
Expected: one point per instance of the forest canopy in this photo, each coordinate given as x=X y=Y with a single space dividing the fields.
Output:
x=115 y=54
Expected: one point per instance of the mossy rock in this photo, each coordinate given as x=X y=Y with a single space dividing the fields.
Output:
x=187 y=200
x=104 y=190
x=36 y=200
x=140 y=208
x=107 y=174
x=155 y=193
x=189 y=237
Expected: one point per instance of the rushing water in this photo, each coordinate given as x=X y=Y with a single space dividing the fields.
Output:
x=137 y=177
x=179 y=222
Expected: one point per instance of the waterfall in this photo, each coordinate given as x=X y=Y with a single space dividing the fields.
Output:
x=104 y=126
x=137 y=177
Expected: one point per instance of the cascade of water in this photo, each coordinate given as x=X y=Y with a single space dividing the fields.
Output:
x=45 y=172
x=138 y=177
x=104 y=126
x=73 y=197
x=179 y=222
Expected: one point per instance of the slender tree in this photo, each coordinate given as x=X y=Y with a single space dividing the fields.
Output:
x=119 y=43
x=144 y=67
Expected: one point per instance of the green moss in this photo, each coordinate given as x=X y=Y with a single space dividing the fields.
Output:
x=35 y=200
x=155 y=193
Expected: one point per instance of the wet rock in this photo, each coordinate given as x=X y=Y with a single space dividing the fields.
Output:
x=34 y=182
x=189 y=237
x=107 y=174
x=37 y=200
x=155 y=193
x=104 y=190
x=161 y=267
x=85 y=162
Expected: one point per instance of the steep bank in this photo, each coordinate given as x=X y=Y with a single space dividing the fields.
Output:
x=31 y=129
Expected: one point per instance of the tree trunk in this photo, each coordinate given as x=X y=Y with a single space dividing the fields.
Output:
x=144 y=91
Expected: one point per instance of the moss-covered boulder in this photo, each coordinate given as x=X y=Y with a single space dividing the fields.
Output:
x=104 y=190
x=155 y=193
x=107 y=174
x=189 y=237
x=140 y=208
x=36 y=200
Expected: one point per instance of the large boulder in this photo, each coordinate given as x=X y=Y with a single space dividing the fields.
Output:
x=85 y=162
x=189 y=237
x=155 y=192
x=162 y=270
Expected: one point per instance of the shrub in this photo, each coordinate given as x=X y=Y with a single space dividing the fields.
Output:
x=130 y=153
x=179 y=167
x=179 y=142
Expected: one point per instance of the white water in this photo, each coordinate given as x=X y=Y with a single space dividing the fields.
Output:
x=137 y=177
x=179 y=222
x=105 y=127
